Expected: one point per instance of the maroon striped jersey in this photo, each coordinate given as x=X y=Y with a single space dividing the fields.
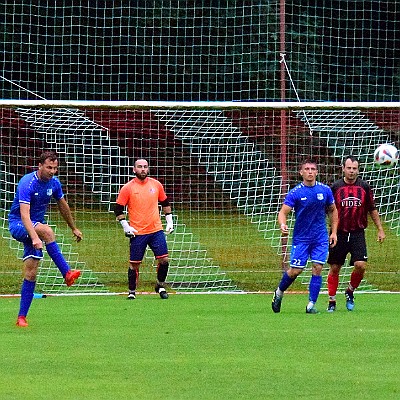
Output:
x=353 y=202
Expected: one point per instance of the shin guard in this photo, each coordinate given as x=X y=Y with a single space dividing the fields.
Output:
x=162 y=271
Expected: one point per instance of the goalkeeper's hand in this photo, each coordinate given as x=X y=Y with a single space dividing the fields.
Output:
x=130 y=231
x=170 y=224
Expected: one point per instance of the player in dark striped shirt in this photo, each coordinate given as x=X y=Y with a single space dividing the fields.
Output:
x=354 y=201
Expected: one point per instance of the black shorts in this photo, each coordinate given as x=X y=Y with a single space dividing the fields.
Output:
x=348 y=242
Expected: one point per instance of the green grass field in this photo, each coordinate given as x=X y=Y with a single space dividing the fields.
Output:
x=200 y=347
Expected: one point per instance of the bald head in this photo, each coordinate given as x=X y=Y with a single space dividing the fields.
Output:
x=141 y=169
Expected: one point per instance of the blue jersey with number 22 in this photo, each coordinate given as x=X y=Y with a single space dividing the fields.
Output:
x=309 y=204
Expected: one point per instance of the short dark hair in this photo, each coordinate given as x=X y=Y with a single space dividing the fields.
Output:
x=308 y=161
x=48 y=155
x=351 y=158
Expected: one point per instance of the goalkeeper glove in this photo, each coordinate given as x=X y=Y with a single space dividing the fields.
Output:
x=129 y=230
x=170 y=224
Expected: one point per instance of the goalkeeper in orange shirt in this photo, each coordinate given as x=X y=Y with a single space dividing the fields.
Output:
x=141 y=197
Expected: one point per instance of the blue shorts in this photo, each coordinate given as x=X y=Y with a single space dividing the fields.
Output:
x=301 y=252
x=19 y=232
x=156 y=241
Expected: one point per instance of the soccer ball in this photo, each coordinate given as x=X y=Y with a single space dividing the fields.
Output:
x=386 y=155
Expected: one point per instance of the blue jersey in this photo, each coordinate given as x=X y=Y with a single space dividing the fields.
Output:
x=37 y=193
x=310 y=206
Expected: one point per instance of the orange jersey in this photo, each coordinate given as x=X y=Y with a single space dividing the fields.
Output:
x=141 y=199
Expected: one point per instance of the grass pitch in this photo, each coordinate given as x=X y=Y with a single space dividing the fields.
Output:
x=200 y=347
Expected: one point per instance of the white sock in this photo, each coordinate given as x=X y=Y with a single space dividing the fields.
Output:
x=310 y=305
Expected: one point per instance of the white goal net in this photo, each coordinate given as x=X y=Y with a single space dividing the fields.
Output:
x=225 y=166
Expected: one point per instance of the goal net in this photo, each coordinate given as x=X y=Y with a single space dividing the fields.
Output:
x=200 y=50
x=226 y=168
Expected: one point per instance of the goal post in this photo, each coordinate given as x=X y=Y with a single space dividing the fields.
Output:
x=223 y=167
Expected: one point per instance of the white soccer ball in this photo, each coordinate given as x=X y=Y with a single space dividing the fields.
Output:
x=386 y=155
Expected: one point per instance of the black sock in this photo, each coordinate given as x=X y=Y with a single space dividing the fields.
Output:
x=162 y=271
x=133 y=275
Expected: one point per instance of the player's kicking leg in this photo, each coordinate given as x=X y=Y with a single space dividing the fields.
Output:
x=53 y=250
x=70 y=275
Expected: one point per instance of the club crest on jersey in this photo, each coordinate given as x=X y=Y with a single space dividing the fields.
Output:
x=320 y=196
x=49 y=192
x=152 y=190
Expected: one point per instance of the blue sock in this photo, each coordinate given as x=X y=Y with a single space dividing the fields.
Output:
x=285 y=282
x=314 y=287
x=27 y=290
x=55 y=254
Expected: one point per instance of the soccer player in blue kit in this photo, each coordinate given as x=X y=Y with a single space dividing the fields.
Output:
x=311 y=201
x=27 y=225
